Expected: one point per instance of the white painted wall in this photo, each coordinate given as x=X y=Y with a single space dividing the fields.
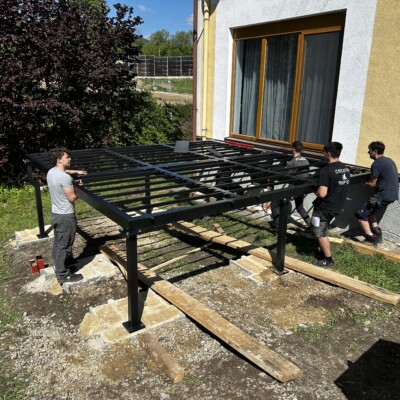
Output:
x=360 y=15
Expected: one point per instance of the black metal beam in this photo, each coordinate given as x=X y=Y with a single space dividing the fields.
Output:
x=136 y=187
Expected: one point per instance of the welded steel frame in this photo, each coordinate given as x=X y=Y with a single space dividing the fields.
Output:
x=143 y=188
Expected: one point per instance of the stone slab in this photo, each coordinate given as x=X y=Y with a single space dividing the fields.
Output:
x=28 y=236
x=104 y=322
x=94 y=269
x=256 y=269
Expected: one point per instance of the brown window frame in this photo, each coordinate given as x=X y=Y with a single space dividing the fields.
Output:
x=303 y=26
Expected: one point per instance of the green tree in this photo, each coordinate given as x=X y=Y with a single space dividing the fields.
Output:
x=158 y=44
x=181 y=44
x=161 y=43
x=63 y=67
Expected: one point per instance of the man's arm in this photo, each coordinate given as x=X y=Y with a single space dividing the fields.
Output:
x=76 y=171
x=371 y=182
x=70 y=193
x=321 y=192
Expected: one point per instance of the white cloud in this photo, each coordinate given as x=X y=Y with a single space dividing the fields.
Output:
x=189 y=20
x=145 y=9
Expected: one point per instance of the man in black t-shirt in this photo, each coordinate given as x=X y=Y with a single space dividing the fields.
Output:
x=385 y=180
x=333 y=182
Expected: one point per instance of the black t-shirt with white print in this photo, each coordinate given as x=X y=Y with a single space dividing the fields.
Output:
x=336 y=177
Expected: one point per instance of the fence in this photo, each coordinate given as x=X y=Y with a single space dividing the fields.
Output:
x=179 y=66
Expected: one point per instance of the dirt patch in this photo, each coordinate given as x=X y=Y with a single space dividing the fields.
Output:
x=173 y=97
x=346 y=344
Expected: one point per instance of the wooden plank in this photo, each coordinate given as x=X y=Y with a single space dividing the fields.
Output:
x=359 y=246
x=217 y=228
x=255 y=351
x=332 y=277
x=168 y=364
x=368 y=249
x=172 y=260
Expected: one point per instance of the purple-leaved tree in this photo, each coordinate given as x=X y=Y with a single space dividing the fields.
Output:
x=64 y=68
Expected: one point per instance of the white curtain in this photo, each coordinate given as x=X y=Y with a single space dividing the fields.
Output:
x=318 y=87
x=247 y=77
x=280 y=73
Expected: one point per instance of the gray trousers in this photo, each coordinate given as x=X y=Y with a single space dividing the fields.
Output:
x=64 y=235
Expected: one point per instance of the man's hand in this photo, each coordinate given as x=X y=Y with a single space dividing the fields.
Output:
x=371 y=182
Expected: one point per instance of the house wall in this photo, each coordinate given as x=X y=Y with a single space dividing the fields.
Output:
x=231 y=14
x=368 y=98
x=381 y=116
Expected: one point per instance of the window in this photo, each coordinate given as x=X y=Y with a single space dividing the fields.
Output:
x=285 y=80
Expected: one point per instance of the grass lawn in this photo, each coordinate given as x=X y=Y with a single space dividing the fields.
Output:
x=181 y=86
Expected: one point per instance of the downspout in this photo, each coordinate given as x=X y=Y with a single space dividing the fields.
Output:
x=194 y=104
x=206 y=19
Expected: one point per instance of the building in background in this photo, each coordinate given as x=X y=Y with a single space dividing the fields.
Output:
x=271 y=72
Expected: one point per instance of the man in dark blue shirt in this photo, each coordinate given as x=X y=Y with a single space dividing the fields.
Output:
x=385 y=180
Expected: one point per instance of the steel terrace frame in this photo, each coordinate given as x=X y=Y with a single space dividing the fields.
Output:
x=143 y=188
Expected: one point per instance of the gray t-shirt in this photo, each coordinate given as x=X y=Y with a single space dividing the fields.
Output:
x=57 y=181
x=297 y=164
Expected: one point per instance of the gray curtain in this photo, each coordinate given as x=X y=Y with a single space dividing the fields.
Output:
x=280 y=71
x=247 y=77
x=318 y=87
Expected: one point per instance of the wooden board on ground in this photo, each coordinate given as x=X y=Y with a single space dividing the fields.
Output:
x=255 y=351
x=175 y=259
x=359 y=246
x=168 y=364
x=368 y=249
x=335 y=278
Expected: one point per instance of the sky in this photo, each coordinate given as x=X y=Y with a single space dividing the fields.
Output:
x=171 y=15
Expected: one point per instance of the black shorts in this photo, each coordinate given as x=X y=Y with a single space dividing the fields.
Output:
x=371 y=207
x=324 y=222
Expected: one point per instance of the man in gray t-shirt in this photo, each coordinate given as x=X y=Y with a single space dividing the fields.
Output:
x=63 y=219
x=299 y=166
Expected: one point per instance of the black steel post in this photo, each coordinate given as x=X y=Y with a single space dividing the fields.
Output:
x=133 y=323
x=284 y=205
x=147 y=194
x=39 y=204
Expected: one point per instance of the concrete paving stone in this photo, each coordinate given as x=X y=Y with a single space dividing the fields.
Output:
x=28 y=236
x=244 y=270
x=48 y=273
x=115 y=334
x=105 y=321
x=110 y=314
x=257 y=279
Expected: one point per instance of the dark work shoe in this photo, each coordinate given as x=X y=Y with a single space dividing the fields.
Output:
x=324 y=263
x=372 y=239
x=377 y=231
x=70 y=278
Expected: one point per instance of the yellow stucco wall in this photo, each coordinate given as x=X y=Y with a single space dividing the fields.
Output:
x=381 y=112
x=211 y=68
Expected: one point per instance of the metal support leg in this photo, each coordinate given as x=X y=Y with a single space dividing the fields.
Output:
x=39 y=204
x=149 y=209
x=284 y=205
x=133 y=324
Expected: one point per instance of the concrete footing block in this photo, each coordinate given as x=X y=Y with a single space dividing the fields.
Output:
x=29 y=236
